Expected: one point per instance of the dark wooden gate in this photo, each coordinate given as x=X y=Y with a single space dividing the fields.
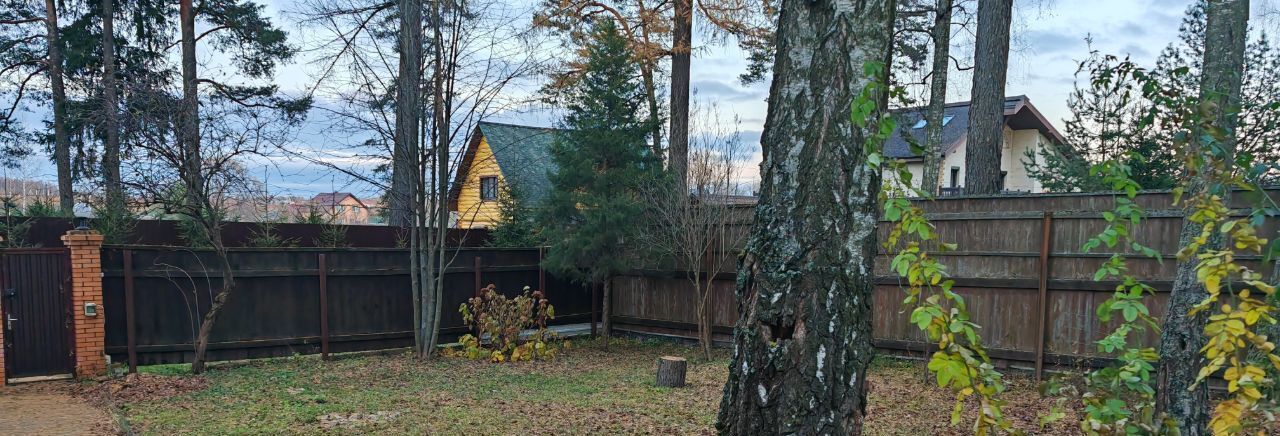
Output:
x=36 y=286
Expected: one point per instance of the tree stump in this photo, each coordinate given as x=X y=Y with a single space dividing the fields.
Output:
x=671 y=371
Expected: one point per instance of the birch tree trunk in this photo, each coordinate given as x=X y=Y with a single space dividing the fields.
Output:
x=110 y=108
x=1181 y=337
x=61 y=142
x=803 y=339
x=937 y=96
x=986 y=111
x=681 y=52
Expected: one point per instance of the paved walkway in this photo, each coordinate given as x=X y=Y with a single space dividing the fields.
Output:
x=47 y=408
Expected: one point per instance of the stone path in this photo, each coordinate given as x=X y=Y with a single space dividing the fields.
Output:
x=48 y=408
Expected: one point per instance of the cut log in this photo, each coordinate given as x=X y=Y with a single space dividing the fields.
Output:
x=671 y=371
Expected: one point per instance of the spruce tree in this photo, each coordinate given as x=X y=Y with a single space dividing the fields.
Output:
x=516 y=227
x=602 y=160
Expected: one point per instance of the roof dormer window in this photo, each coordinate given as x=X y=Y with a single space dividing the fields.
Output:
x=920 y=124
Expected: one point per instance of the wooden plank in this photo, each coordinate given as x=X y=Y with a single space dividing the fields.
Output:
x=324 y=305
x=131 y=309
x=1042 y=312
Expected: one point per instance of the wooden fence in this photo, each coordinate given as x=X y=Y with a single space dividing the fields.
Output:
x=298 y=300
x=1019 y=266
x=45 y=232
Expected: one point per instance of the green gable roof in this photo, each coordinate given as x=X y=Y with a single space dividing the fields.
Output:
x=523 y=154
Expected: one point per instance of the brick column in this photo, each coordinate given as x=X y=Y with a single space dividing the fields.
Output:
x=86 y=287
x=2 y=375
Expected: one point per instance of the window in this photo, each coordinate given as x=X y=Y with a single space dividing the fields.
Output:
x=1003 y=176
x=955 y=177
x=920 y=124
x=488 y=188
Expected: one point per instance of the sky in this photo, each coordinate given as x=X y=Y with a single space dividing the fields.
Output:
x=1048 y=42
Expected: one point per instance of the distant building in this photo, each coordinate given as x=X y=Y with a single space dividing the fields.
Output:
x=338 y=208
x=1025 y=129
x=499 y=155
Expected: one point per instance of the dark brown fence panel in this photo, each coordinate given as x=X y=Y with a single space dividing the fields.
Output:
x=997 y=267
x=46 y=232
x=275 y=309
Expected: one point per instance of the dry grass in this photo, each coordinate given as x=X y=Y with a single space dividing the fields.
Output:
x=588 y=390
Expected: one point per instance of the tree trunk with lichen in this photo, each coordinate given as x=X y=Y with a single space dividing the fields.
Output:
x=803 y=339
x=937 y=96
x=986 y=112
x=1182 y=336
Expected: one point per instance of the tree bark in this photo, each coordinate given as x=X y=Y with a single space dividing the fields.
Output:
x=61 y=142
x=803 y=340
x=406 y=183
x=986 y=110
x=219 y=300
x=110 y=108
x=190 y=119
x=681 y=52
x=1181 y=336
x=937 y=96
x=671 y=371
x=606 y=312
x=408 y=105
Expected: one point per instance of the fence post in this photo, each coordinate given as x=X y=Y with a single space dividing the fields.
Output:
x=476 y=271
x=1046 y=236
x=542 y=275
x=323 y=268
x=130 y=313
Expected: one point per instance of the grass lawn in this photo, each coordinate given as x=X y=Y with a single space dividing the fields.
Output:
x=587 y=390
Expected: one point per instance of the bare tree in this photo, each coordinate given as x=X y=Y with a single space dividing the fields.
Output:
x=476 y=57
x=700 y=233
x=941 y=33
x=803 y=340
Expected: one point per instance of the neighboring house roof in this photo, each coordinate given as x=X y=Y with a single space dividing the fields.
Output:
x=334 y=199
x=523 y=154
x=1019 y=114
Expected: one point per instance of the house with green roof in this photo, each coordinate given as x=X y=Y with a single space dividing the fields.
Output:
x=500 y=155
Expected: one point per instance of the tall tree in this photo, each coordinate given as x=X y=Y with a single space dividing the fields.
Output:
x=803 y=338
x=61 y=141
x=1181 y=337
x=111 y=113
x=405 y=171
x=681 y=54
x=602 y=162
x=986 y=110
x=941 y=32
x=408 y=112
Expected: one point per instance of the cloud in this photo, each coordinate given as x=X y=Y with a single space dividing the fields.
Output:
x=714 y=90
x=1046 y=42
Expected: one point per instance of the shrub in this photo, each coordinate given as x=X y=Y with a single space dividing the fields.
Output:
x=500 y=320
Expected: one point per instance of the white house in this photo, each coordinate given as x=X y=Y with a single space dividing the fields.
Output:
x=1024 y=129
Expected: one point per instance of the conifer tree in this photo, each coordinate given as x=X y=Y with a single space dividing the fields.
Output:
x=602 y=160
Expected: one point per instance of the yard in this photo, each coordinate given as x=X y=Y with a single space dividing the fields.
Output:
x=587 y=390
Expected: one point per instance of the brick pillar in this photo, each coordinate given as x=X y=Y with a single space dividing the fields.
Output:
x=86 y=287
x=2 y=375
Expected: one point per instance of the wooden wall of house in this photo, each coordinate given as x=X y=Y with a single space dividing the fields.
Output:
x=472 y=211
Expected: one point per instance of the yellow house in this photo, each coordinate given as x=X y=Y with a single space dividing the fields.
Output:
x=1025 y=131
x=500 y=155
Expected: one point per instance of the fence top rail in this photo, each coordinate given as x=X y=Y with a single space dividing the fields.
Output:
x=136 y=247
x=1271 y=189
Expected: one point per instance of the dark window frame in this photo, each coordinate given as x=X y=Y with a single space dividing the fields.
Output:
x=488 y=188
x=955 y=177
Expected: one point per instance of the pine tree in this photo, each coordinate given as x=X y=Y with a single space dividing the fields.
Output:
x=602 y=160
